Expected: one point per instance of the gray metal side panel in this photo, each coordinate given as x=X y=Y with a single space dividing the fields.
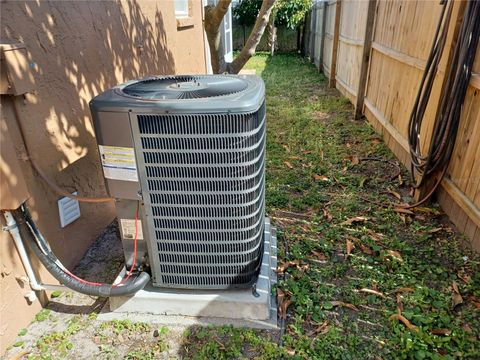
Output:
x=113 y=129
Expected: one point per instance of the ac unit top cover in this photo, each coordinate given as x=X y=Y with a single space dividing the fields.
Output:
x=184 y=94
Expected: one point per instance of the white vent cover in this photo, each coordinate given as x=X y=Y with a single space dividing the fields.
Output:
x=69 y=210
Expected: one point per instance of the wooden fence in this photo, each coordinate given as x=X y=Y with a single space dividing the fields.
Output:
x=374 y=53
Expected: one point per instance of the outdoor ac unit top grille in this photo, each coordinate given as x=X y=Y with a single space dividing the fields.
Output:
x=185 y=87
x=205 y=198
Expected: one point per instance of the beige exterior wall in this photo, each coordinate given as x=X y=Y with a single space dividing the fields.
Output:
x=76 y=50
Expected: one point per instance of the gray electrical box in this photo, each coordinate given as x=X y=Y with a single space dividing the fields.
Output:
x=191 y=151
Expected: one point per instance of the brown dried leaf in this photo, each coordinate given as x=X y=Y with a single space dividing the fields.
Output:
x=375 y=141
x=400 y=179
x=355 y=219
x=403 y=320
x=353 y=159
x=373 y=292
x=475 y=301
x=317 y=177
x=287 y=149
x=365 y=249
x=399 y=304
x=395 y=194
x=283 y=307
x=464 y=277
x=343 y=304
x=456 y=297
x=433 y=231
x=319 y=255
x=403 y=211
x=375 y=236
x=290 y=352
x=284 y=265
x=395 y=254
x=288 y=164
x=327 y=215
x=349 y=247
x=320 y=329
x=440 y=331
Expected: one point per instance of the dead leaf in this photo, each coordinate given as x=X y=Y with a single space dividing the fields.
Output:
x=433 y=231
x=283 y=307
x=404 y=321
x=306 y=152
x=464 y=277
x=456 y=297
x=356 y=219
x=343 y=304
x=440 y=331
x=349 y=247
x=375 y=236
x=400 y=179
x=395 y=194
x=373 y=292
x=403 y=211
x=353 y=159
x=399 y=304
x=295 y=158
x=426 y=210
x=327 y=215
x=285 y=265
x=320 y=329
x=288 y=164
x=395 y=254
x=375 y=141
x=287 y=149
x=318 y=255
x=474 y=300
x=290 y=352
x=317 y=177
x=365 y=249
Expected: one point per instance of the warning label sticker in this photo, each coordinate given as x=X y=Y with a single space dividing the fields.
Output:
x=118 y=163
x=128 y=229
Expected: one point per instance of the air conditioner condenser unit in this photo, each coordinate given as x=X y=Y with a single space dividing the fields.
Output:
x=184 y=156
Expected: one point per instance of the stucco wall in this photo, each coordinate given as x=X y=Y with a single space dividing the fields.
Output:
x=76 y=50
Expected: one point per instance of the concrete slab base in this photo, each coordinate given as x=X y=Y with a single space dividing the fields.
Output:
x=242 y=307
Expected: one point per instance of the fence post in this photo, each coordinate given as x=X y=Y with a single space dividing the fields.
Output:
x=336 y=34
x=322 y=35
x=367 y=46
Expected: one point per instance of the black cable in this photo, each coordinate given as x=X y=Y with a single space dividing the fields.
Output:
x=447 y=120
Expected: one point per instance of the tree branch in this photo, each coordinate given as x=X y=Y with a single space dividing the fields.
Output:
x=213 y=18
x=249 y=49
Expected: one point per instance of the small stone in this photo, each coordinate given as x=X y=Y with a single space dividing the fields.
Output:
x=156 y=333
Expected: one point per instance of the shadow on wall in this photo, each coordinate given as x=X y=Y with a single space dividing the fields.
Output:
x=76 y=50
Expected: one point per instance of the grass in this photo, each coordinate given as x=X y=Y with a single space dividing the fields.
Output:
x=349 y=264
x=324 y=169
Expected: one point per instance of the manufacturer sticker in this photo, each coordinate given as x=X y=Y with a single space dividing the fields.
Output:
x=118 y=163
x=128 y=228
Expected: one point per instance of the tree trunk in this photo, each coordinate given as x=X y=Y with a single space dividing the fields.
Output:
x=272 y=34
x=249 y=49
x=213 y=19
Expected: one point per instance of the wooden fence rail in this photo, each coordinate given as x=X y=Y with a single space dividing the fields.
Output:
x=374 y=53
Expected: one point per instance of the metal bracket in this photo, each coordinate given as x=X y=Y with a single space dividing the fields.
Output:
x=7 y=228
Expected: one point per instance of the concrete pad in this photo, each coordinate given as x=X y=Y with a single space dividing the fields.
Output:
x=241 y=307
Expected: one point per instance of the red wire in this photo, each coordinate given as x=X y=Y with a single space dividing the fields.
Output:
x=131 y=268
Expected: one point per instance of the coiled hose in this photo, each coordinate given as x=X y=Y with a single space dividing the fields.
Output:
x=447 y=121
x=32 y=236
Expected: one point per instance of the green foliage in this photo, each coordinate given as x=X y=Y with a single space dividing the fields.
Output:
x=246 y=11
x=291 y=13
x=42 y=315
x=287 y=12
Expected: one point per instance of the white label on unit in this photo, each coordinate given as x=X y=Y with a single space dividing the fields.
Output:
x=69 y=210
x=118 y=163
x=128 y=229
